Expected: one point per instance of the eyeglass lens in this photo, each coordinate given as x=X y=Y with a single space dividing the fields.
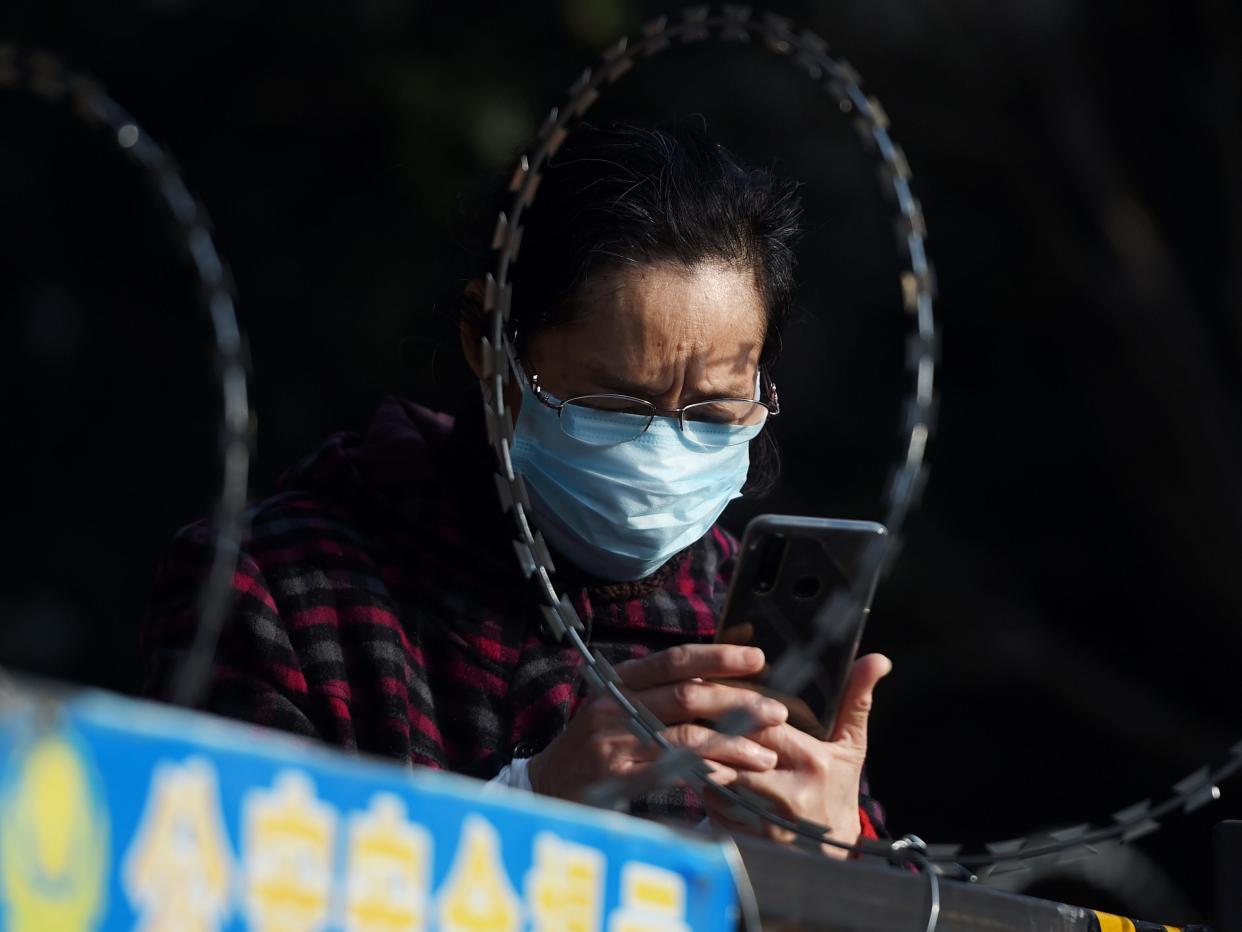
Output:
x=612 y=419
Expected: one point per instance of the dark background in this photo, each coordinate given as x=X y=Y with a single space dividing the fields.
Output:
x=1064 y=618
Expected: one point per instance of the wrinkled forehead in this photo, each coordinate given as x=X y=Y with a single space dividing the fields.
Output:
x=658 y=307
x=666 y=332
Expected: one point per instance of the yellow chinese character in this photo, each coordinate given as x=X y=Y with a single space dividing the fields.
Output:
x=389 y=869
x=565 y=887
x=653 y=899
x=477 y=896
x=177 y=869
x=288 y=842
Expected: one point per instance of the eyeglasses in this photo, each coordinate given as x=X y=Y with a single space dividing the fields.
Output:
x=606 y=419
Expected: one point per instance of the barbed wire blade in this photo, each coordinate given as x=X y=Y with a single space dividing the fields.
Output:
x=1057 y=846
x=744 y=816
x=1193 y=782
x=570 y=614
x=1194 y=785
x=526 y=563
x=1005 y=849
x=1200 y=798
x=655 y=26
x=1132 y=812
x=751 y=799
x=1139 y=830
x=1001 y=868
x=1073 y=853
x=494 y=361
x=1197 y=790
x=538 y=545
x=552 y=617
x=1005 y=853
x=616 y=50
x=606 y=669
x=737 y=721
x=648 y=718
x=807 y=828
x=1136 y=821
x=607 y=794
x=1070 y=833
x=595 y=680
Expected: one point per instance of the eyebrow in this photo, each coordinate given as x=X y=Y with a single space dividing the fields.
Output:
x=600 y=376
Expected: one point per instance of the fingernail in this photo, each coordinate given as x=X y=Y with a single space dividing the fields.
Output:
x=753 y=656
x=766 y=757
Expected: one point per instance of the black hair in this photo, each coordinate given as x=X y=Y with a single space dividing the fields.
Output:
x=621 y=195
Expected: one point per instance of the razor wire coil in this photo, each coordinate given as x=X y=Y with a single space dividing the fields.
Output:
x=797 y=665
x=44 y=77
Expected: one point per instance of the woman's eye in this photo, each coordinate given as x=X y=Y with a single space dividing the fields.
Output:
x=711 y=413
x=731 y=411
x=619 y=404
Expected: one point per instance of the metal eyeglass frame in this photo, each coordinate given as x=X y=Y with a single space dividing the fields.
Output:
x=773 y=404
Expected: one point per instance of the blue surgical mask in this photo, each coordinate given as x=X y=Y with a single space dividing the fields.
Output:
x=620 y=510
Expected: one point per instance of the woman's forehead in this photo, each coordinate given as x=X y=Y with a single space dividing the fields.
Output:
x=656 y=329
x=656 y=309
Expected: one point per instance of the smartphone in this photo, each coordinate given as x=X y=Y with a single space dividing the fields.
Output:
x=788 y=568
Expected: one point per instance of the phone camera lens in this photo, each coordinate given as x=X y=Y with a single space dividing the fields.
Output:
x=806 y=588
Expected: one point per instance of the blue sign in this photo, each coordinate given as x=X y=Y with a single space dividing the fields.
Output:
x=120 y=814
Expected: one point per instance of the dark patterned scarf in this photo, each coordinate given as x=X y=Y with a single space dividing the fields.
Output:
x=380 y=608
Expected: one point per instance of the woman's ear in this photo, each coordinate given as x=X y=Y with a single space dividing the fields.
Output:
x=472 y=317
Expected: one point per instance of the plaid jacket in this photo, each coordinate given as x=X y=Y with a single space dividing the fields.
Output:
x=379 y=607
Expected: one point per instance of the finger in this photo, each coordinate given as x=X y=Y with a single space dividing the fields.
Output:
x=800 y=714
x=721 y=774
x=687 y=661
x=690 y=700
x=712 y=746
x=851 y=723
x=794 y=748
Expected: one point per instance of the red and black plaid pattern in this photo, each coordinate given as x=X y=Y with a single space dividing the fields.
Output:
x=380 y=608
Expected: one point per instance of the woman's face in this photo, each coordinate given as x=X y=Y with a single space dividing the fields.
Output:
x=665 y=333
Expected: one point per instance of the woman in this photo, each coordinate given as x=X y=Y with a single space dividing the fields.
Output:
x=379 y=603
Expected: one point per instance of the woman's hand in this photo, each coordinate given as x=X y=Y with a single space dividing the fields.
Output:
x=814 y=779
x=597 y=744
